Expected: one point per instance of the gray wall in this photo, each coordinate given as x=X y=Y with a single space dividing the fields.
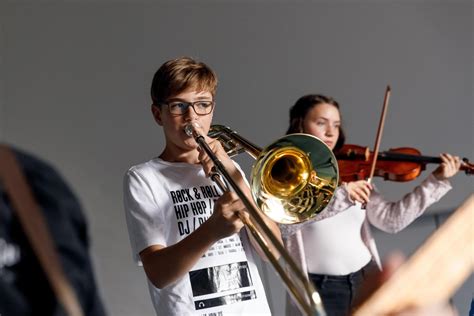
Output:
x=75 y=75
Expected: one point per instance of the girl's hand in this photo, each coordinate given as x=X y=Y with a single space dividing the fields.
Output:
x=448 y=168
x=359 y=191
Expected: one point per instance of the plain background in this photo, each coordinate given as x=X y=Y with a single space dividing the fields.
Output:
x=75 y=78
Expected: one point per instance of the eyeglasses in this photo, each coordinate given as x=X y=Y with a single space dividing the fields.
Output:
x=199 y=107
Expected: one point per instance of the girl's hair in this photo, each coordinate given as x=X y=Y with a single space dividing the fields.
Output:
x=302 y=107
x=178 y=75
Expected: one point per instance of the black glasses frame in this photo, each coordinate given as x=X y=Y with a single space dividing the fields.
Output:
x=190 y=104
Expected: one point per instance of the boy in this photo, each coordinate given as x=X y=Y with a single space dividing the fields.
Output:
x=181 y=227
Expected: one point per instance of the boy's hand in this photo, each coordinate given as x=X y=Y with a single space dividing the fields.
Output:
x=225 y=220
x=217 y=149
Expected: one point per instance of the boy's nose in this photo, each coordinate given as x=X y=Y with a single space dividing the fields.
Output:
x=190 y=114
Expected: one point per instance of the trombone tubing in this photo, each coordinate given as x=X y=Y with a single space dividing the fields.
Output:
x=270 y=255
x=308 y=309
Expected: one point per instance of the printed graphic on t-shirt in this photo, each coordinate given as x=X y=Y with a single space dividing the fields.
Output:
x=222 y=285
x=193 y=206
x=222 y=276
x=225 y=246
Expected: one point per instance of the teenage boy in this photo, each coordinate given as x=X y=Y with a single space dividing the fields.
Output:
x=183 y=229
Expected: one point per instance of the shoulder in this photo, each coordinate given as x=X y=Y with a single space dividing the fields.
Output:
x=48 y=184
x=40 y=173
x=140 y=175
x=145 y=168
x=59 y=204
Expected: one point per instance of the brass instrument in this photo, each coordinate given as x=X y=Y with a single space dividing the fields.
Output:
x=292 y=180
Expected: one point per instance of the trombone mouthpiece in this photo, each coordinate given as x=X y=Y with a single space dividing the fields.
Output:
x=188 y=129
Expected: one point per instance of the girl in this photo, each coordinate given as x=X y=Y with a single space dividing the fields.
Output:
x=337 y=251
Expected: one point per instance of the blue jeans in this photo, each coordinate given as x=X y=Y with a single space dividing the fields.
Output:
x=338 y=291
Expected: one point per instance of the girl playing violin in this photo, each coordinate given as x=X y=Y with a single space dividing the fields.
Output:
x=337 y=251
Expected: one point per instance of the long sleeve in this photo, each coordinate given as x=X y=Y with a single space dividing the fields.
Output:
x=392 y=217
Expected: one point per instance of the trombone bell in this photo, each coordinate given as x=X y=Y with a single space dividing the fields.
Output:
x=294 y=178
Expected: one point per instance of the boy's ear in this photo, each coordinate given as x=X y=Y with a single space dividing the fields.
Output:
x=156 y=110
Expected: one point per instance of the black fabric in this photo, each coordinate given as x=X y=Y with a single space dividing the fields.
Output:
x=24 y=289
x=338 y=291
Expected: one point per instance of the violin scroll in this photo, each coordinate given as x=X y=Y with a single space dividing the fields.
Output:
x=467 y=167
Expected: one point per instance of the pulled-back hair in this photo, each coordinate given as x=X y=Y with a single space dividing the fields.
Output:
x=178 y=75
x=302 y=107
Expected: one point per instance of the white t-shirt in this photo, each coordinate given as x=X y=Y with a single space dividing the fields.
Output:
x=164 y=203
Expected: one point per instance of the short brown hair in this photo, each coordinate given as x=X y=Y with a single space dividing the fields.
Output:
x=180 y=74
x=301 y=108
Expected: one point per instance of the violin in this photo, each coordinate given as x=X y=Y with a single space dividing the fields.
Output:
x=397 y=164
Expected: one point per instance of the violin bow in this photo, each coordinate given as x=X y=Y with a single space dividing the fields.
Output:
x=379 y=133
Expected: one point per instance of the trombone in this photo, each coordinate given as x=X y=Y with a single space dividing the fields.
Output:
x=292 y=180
